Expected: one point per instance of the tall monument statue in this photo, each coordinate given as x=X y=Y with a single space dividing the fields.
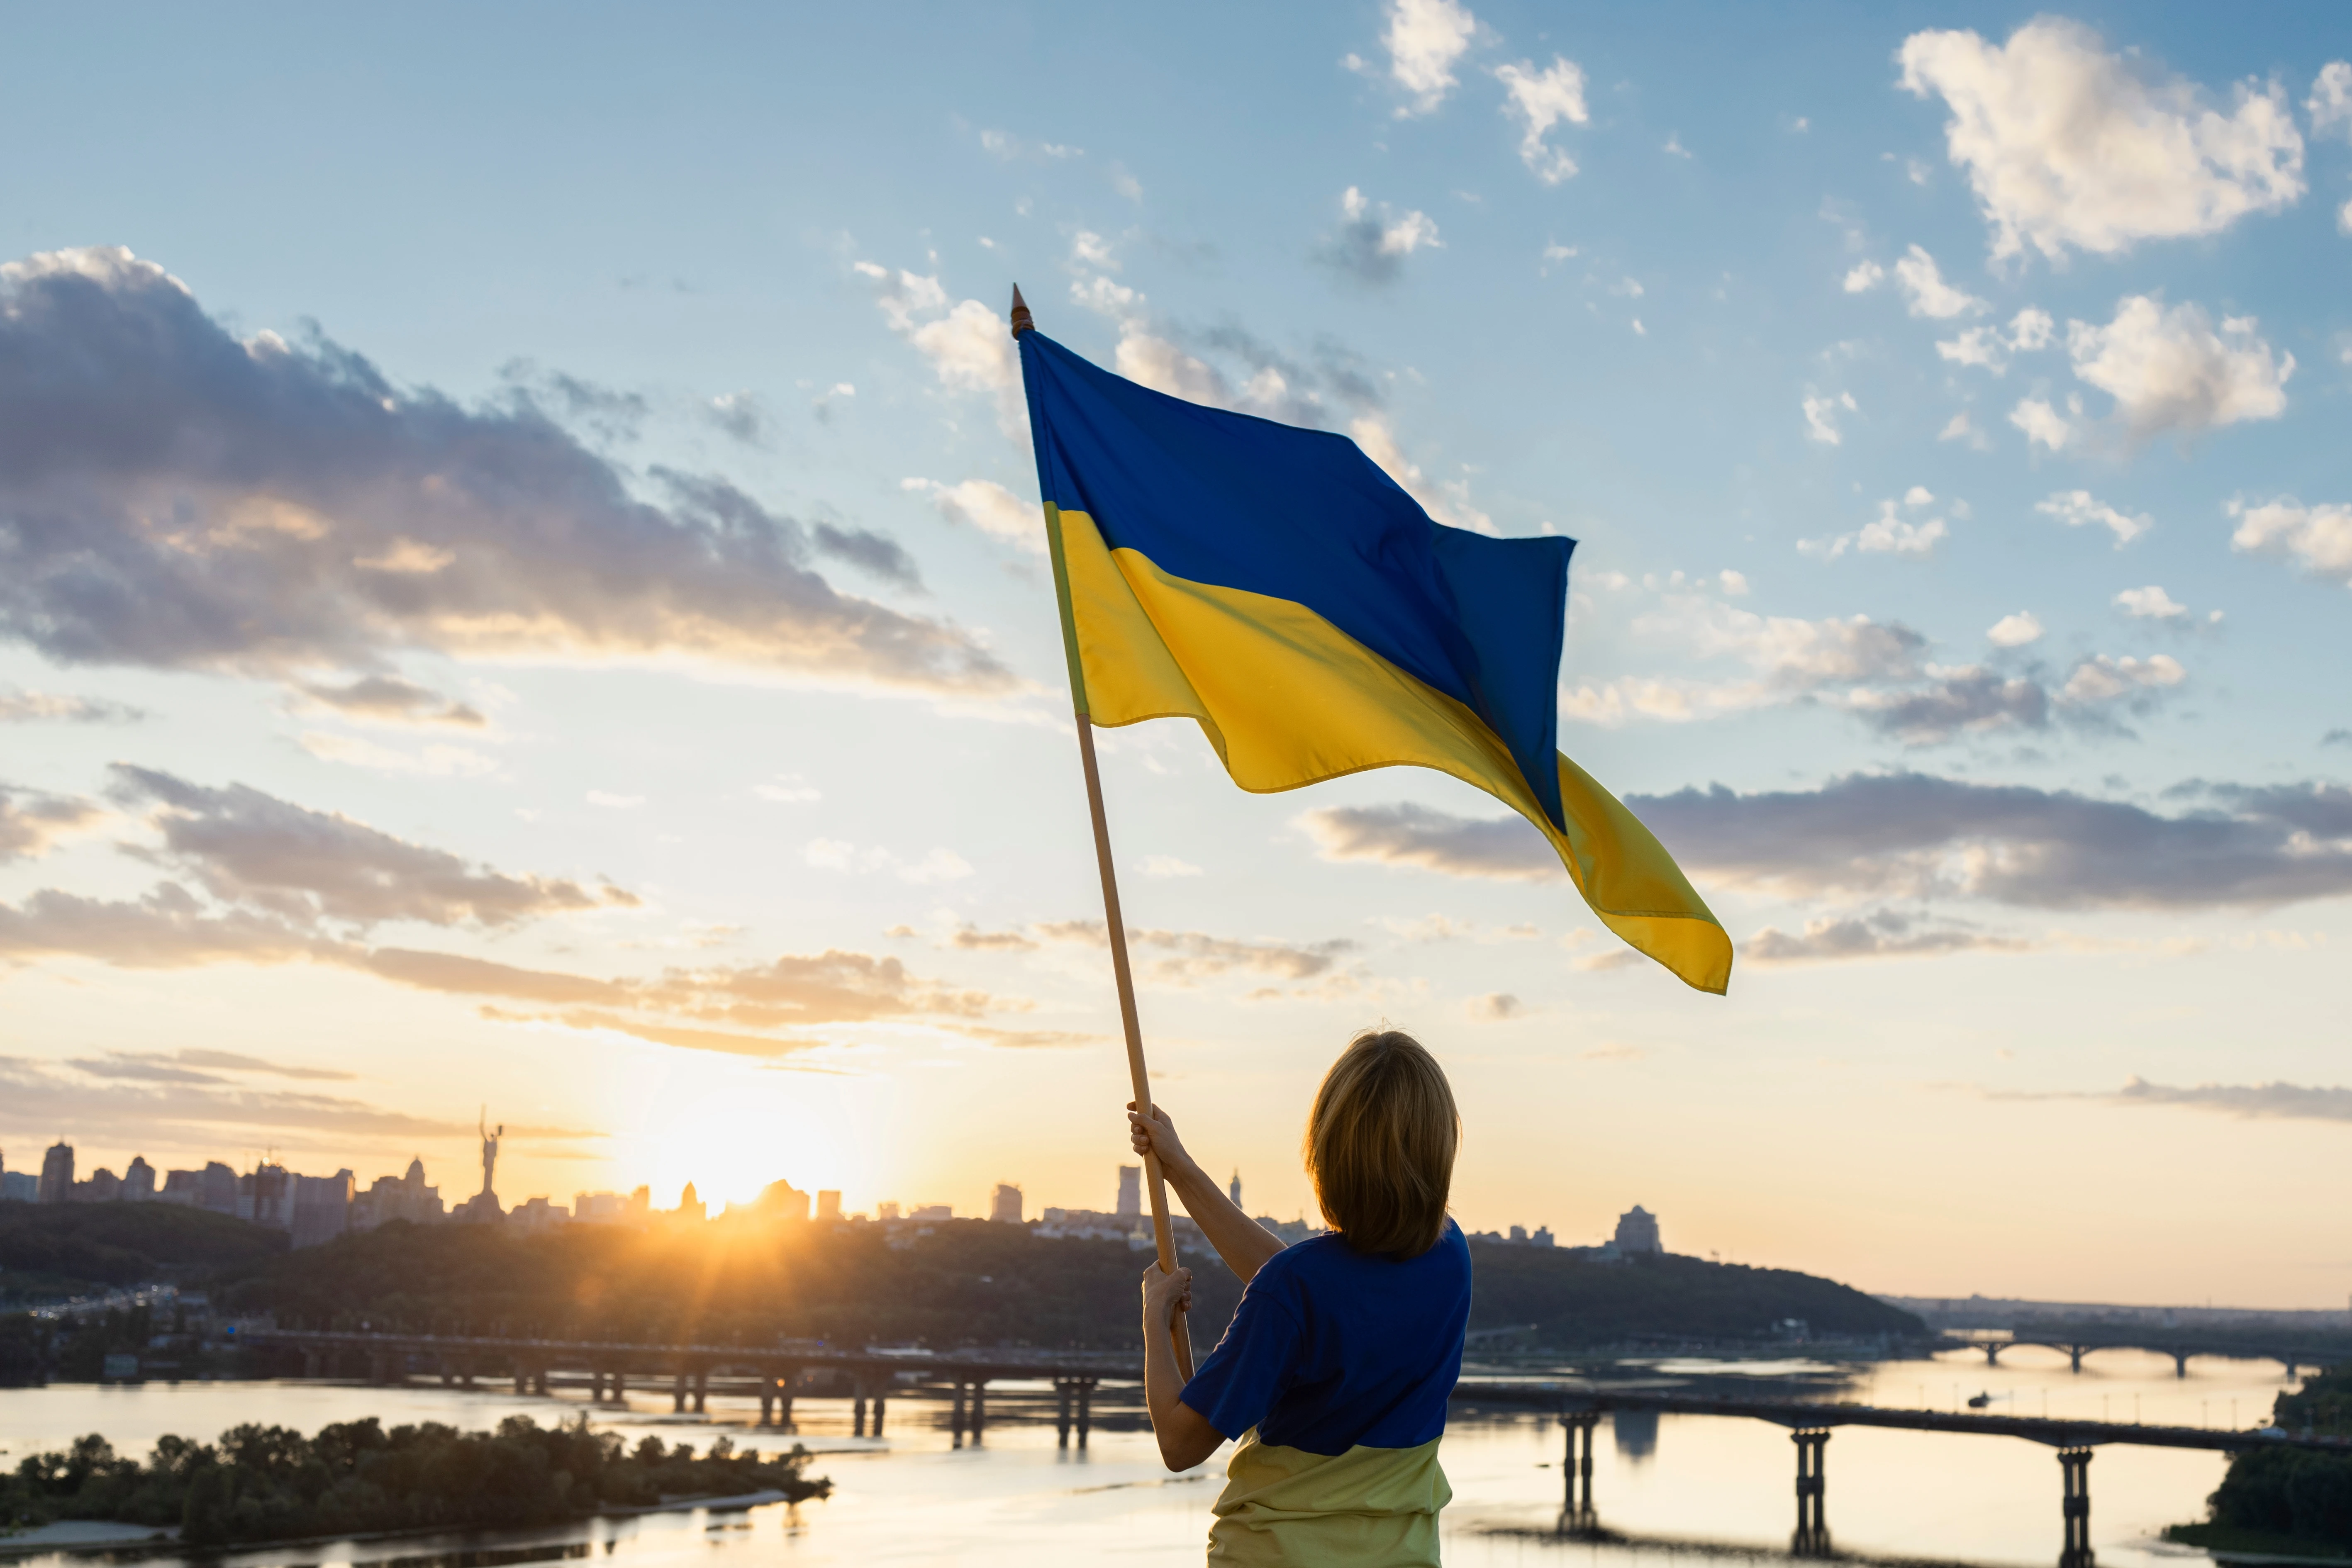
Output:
x=490 y=1154
x=483 y=1206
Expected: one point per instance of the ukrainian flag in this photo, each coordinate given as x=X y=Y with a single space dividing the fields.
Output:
x=1274 y=585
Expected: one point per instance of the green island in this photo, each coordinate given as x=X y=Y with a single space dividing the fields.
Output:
x=263 y=1483
x=2288 y=1502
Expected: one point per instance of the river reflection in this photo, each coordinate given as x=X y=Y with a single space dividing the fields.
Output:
x=1673 y=1485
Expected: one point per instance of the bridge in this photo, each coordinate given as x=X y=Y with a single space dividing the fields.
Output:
x=2075 y=1341
x=1811 y=1422
x=774 y=1374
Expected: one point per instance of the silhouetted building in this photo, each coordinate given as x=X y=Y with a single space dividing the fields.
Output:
x=1130 y=1191
x=828 y=1204
x=1234 y=1191
x=1092 y=1224
x=931 y=1213
x=57 y=1173
x=1520 y=1234
x=139 y=1181
x=691 y=1206
x=387 y=1198
x=20 y=1187
x=213 y=1188
x=603 y=1209
x=1637 y=1231
x=318 y=1208
x=1004 y=1204
x=1542 y=1237
x=782 y=1200
x=262 y=1198
x=885 y=1211
x=537 y=1214
x=103 y=1186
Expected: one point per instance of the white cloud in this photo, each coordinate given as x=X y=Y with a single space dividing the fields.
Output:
x=1447 y=501
x=1539 y=100
x=1370 y=246
x=968 y=346
x=2078 y=509
x=2015 y=631
x=1735 y=583
x=2170 y=370
x=2102 y=679
x=1425 y=39
x=2031 y=329
x=1988 y=348
x=1169 y=865
x=1089 y=248
x=1960 y=428
x=789 y=790
x=2316 y=538
x=2149 y=603
x=1922 y=284
x=839 y=854
x=427 y=762
x=2066 y=146
x=1865 y=275
x=1821 y=417
x=1889 y=533
x=987 y=506
x=2042 y=423
x=1788 y=659
x=2330 y=103
x=1009 y=148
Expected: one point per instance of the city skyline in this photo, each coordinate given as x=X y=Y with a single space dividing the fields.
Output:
x=562 y=620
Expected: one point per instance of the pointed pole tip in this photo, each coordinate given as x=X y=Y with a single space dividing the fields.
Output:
x=1022 y=320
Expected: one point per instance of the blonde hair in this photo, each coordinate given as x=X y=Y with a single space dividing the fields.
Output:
x=1381 y=1145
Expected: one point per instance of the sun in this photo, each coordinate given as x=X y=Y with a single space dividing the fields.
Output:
x=732 y=1128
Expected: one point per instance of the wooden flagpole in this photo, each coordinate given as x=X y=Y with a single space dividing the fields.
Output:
x=1162 y=1232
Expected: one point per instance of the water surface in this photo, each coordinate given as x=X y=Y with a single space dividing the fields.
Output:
x=1669 y=1483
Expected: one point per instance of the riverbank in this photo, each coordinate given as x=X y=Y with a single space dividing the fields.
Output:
x=270 y=1484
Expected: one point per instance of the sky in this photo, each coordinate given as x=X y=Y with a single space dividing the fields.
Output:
x=521 y=593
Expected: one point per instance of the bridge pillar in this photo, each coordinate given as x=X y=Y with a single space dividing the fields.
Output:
x=1992 y=1354
x=311 y=1363
x=618 y=1383
x=677 y=1394
x=1576 y=1517
x=1086 y=1409
x=857 y=1409
x=539 y=1379
x=956 y=1418
x=2075 y=1355
x=1812 y=1536
x=595 y=1385
x=784 y=1386
x=522 y=1378
x=979 y=1407
x=379 y=1368
x=1061 y=1412
x=701 y=1390
x=767 y=1403
x=2075 y=1509
x=2180 y=1364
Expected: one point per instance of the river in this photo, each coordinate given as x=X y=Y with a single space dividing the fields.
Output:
x=1676 y=1487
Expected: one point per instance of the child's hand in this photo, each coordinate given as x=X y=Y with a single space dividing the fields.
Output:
x=1165 y=1295
x=1158 y=1136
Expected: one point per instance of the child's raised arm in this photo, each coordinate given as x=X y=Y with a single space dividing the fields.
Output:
x=1241 y=1241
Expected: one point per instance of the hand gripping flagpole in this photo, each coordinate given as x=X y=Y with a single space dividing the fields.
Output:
x=1162 y=1232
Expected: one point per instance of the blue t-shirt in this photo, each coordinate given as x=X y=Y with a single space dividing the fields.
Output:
x=1331 y=1348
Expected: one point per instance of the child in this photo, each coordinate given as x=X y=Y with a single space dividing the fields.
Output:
x=1336 y=1370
